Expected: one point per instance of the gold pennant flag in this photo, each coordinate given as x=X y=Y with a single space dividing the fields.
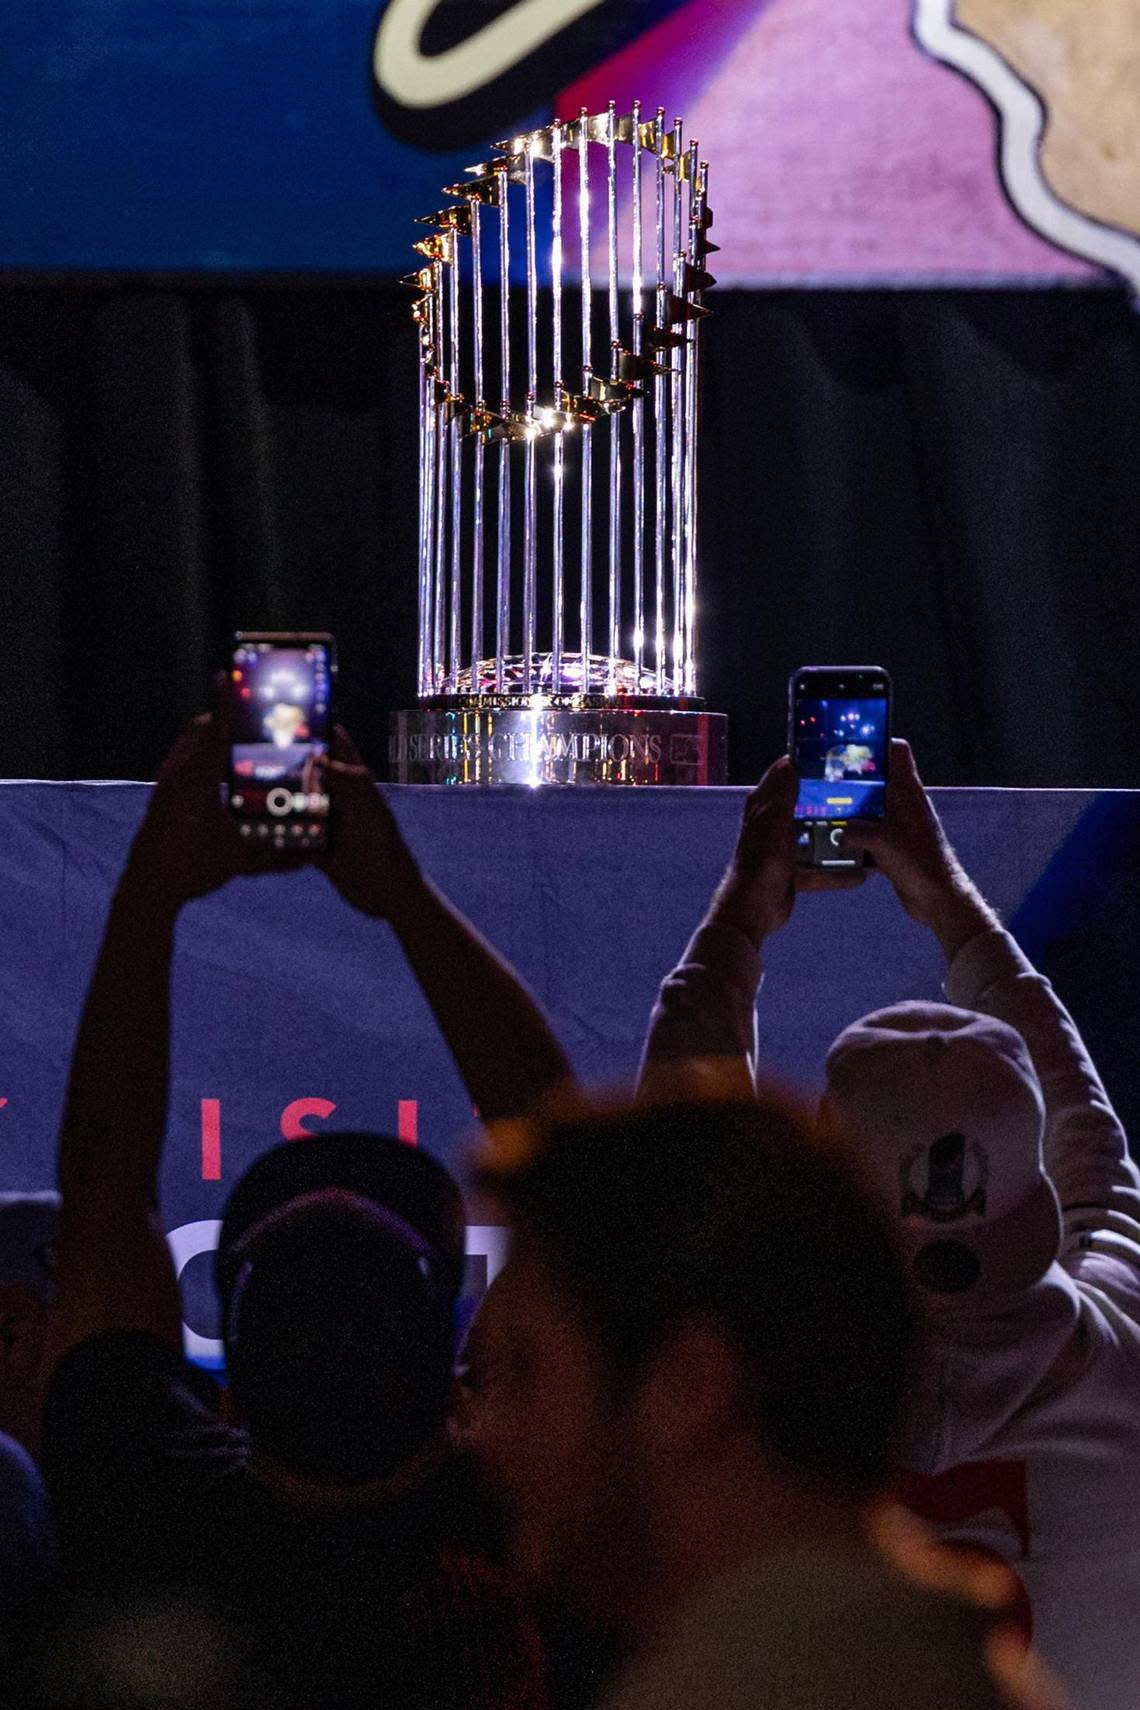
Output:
x=440 y=247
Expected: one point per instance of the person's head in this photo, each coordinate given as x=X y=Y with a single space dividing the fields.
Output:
x=339 y=1264
x=29 y=1228
x=703 y=1312
x=946 y=1111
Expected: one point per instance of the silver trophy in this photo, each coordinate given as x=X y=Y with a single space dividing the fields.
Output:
x=559 y=305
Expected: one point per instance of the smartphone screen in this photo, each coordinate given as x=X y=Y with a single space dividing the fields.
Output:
x=282 y=717
x=840 y=742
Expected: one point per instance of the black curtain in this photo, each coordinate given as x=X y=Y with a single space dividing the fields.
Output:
x=944 y=483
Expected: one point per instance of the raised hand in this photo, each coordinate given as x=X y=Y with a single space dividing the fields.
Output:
x=188 y=843
x=910 y=846
x=367 y=859
x=758 y=891
x=502 y=1043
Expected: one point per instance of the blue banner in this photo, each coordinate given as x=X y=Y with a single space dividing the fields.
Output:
x=292 y=1012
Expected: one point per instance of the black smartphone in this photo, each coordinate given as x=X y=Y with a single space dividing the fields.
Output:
x=839 y=737
x=281 y=691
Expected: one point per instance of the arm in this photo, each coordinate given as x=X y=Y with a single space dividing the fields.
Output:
x=501 y=1041
x=705 y=1010
x=1085 y=1149
x=115 y=1271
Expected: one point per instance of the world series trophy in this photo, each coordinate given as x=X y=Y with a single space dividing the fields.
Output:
x=557 y=574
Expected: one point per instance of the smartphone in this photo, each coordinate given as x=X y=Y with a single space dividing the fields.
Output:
x=839 y=737
x=281 y=692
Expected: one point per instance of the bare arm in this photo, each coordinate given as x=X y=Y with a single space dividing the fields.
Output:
x=115 y=1270
x=500 y=1039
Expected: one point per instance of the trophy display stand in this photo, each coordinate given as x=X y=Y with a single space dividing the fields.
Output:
x=558 y=524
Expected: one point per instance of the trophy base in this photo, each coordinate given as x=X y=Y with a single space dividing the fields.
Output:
x=558 y=739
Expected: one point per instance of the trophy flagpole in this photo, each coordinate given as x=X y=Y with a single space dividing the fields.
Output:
x=530 y=541
x=587 y=553
x=695 y=281
x=477 y=523
x=558 y=592
x=426 y=480
x=615 y=418
x=677 y=381
x=638 y=417
x=455 y=650
x=503 y=542
x=660 y=424
x=423 y=315
x=442 y=444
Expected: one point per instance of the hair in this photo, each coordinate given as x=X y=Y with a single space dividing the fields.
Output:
x=339 y=1340
x=746 y=1214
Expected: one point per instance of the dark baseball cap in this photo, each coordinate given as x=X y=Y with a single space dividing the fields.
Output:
x=29 y=1230
x=406 y=1182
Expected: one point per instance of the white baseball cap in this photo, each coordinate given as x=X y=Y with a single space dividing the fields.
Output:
x=947 y=1112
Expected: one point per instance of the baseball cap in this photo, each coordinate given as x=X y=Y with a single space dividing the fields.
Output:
x=339 y=1337
x=947 y=1111
x=407 y=1183
x=29 y=1229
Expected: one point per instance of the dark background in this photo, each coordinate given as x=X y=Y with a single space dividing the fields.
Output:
x=944 y=483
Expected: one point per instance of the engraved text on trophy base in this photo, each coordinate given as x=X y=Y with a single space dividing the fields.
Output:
x=522 y=745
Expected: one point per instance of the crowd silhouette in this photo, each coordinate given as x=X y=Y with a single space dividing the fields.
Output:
x=770 y=1406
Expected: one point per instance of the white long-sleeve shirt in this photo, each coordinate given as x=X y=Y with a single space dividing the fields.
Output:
x=1025 y=1433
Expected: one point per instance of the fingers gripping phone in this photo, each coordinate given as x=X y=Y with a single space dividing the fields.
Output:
x=281 y=696
x=839 y=737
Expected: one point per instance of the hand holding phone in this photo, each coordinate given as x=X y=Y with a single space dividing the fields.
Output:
x=912 y=851
x=757 y=893
x=281 y=721
x=839 y=737
x=369 y=863
x=188 y=844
